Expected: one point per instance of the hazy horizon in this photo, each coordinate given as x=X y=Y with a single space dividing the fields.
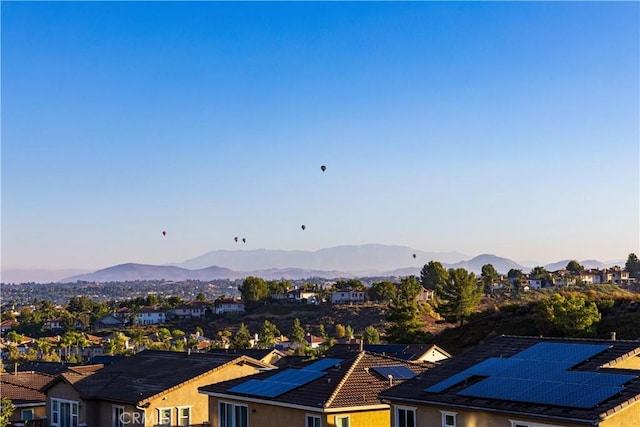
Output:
x=508 y=128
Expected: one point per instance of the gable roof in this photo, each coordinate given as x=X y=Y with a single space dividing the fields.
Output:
x=149 y=373
x=24 y=387
x=456 y=382
x=348 y=382
x=409 y=352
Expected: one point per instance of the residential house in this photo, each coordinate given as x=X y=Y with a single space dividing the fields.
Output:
x=534 y=283
x=147 y=389
x=348 y=296
x=8 y=325
x=562 y=278
x=325 y=392
x=23 y=388
x=614 y=275
x=191 y=310
x=150 y=316
x=526 y=382
x=54 y=323
x=228 y=305
x=417 y=353
x=590 y=277
x=110 y=321
x=270 y=356
x=425 y=295
x=297 y=296
x=313 y=341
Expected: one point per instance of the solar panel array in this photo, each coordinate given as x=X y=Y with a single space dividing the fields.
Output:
x=398 y=372
x=286 y=380
x=540 y=374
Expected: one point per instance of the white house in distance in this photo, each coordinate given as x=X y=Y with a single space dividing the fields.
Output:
x=149 y=316
x=348 y=296
x=228 y=305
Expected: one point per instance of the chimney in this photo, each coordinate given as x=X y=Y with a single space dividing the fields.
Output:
x=390 y=379
x=613 y=336
x=361 y=344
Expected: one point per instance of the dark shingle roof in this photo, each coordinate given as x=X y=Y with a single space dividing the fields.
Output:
x=24 y=387
x=352 y=382
x=505 y=347
x=148 y=373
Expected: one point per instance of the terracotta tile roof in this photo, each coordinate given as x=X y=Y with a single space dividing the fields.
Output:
x=353 y=382
x=24 y=387
x=148 y=373
x=414 y=390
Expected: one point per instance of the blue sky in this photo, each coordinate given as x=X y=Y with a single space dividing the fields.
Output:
x=509 y=128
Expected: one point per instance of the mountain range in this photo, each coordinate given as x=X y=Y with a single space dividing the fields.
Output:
x=371 y=260
x=337 y=262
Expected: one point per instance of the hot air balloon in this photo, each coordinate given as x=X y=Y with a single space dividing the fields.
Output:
x=244 y=240
x=414 y=255
x=164 y=233
x=304 y=226
x=236 y=239
x=323 y=168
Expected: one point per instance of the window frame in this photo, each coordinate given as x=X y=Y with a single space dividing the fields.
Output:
x=396 y=417
x=314 y=418
x=27 y=411
x=231 y=411
x=446 y=414
x=342 y=418
x=115 y=421
x=56 y=412
x=162 y=420
x=180 y=417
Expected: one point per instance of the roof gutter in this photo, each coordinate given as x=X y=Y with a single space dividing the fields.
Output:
x=295 y=406
x=592 y=422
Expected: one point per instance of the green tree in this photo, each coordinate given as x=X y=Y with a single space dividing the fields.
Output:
x=409 y=289
x=201 y=297
x=574 y=267
x=278 y=287
x=459 y=296
x=433 y=275
x=371 y=335
x=353 y=284
x=383 y=291
x=267 y=335
x=253 y=290
x=296 y=336
x=80 y=304
x=6 y=410
x=489 y=277
x=570 y=316
x=348 y=331
x=242 y=338
x=322 y=333
x=633 y=265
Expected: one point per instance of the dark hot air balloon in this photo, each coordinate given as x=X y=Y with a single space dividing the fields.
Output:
x=304 y=226
x=164 y=233
x=414 y=255
x=323 y=168
x=244 y=240
x=235 y=238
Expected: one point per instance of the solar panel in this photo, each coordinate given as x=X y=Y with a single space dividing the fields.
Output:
x=540 y=374
x=277 y=384
x=398 y=372
x=323 y=364
x=385 y=348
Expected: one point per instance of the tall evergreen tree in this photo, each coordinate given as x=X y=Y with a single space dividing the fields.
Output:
x=459 y=296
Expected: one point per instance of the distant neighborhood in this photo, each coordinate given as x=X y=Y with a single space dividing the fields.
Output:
x=154 y=360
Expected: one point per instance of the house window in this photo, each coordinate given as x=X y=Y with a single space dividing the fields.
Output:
x=64 y=413
x=342 y=421
x=117 y=416
x=26 y=414
x=233 y=415
x=164 y=416
x=184 y=416
x=405 y=416
x=314 y=421
x=448 y=419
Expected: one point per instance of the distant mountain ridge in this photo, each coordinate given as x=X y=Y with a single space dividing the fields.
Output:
x=372 y=260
